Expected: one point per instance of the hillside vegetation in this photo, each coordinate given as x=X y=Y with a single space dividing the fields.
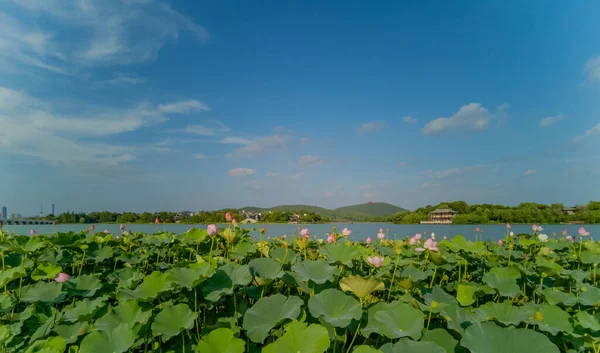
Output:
x=363 y=212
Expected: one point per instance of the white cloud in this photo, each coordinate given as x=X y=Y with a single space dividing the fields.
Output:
x=108 y=32
x=308 y=161
x=183 y=107
x=470 y=117
x=529 y=172
x=235 y=141
x=402 y=164
x=589 y=132
x=199 y=156
x=272 y=174
x=242 y=172
x=262 y=145
x=502 y=107
x=592 y=69
x=440 y=174
x=551 y=120
x=123 y=80
x=212 y=128
x=409 y=119
x=373 y=126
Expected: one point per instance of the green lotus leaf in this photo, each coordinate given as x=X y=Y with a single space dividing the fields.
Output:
x=299 y=337
x=118 y=340
x=41 y=292
x=579 y=275
x=128 y=312
x=242 y=249
x=8 y=332
x=442 y=299
x=318 y=271
x=83 y=310
x=365 y=349
x=504 y=312
x=190 y=277
x=193 y=236
x=49 y=345
x=464 y=295
x=555 y=296
x=153 y=284
x=406 y=345
x=45 y=271
x=84 y=285
x=394 y=320
x=341 y=253
x=45 y=322
x=589 y=295
x=104 y=253
x=336 y=307
x=548 y=267
x=283 y=255
x=590 y=257
x=71 y=333
x=414 y=274
x=34 y=244
x=359 y=286
x=11 y=274
x=550 y=318
x=220 y=340
x=526 y=243
x=442 y=338
x=265 y=268
x=456 y=317
x=6 y=303
x=504 y=280
x=172 y=320
x=269 y=312
x=587 y=320
x=487 y=337
x=225 y=280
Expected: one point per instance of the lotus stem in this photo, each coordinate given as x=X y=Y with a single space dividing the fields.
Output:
x=82 y=262
x=433 y=278
x=393 y=276
x=212 y=242
x=353 y=338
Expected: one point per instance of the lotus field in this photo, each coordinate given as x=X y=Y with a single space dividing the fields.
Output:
x=220 y=291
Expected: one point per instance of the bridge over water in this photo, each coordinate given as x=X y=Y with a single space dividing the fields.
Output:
x=24 y=221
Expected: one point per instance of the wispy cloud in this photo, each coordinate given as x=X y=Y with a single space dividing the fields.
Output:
x=551 y=120
x=211 y=128
x=592 y=69
x=472 y=117
x=183 y=107
x=529 y=172
x=409 y=120
x=502 y=107
x=440 y=174
x=309 y=161
x=272 y=174
x=261 y=145
x=242 y=172
x=199 y=156
x=594 y=131
x=125 y=80
x=235 y=141
x=372 y=126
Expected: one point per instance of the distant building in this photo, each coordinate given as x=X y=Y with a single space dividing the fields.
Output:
x=4 y=212
x=251 y=215
x=441 y=216
x=573 y=210
x=295 y=218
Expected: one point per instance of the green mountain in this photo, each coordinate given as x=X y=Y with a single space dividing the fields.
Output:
x=354 y=213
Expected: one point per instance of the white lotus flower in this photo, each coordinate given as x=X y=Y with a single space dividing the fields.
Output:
x=543 y=238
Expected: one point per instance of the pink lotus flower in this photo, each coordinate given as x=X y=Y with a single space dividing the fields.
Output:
x=500 y=242
x=233 y=221
x=445 y=238
x=380 y=230
x=106 y=231
x=32 y=232
x=212 y=229
x=125 y=232
x=534 y=227
x=284 y=236
x=429 y=245
x=376 y=261
x=369 y=240
x=564 y=232
x=380 y=235
x=331 y=238
x=62 y=277
x=228 y=217
x=346 y=232
x=569 y=237
x=583 y=232
x=414 y=239
x=156 y=220
x=122 y=227
x=305 y=233
x=477 y=229
x=117 y=237
x=417 y=236
x=507 y=225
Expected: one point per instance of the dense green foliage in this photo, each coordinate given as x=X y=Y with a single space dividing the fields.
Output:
x=366 y=212
x=526 y=212
x=227 y=293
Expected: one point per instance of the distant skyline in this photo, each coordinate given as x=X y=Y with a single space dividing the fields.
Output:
x=178 y=105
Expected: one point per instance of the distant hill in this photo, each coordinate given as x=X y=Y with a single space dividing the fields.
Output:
x=354 y=213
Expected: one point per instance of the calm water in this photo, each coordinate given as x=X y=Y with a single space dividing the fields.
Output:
x=359 y=230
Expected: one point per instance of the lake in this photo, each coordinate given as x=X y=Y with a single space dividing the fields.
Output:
x=360 y=231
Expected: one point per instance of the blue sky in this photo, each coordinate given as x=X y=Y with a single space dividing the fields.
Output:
x=149 y=105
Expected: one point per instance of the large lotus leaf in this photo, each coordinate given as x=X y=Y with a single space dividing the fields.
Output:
x=550 y=318
x=83 y=310
x=318 y=271
x=11 y=274
x=300 y=338
x=8 y=332
x=172 y=320
x=6 y=303
x=118 y=340
x=225 y=280
x=128 y=312
x=365 y=349
x=190 y=277
x=84 y=285
x=49 y=345
x=104 y=253
x=41 y=292
x=487 y=337
x=579 y=275
x=340 y=253
x=464 y=295
x=283 y=255
x=242 y=250
x=193 y=236
x=45 y=322
x=414 y=274
x=148 y=290
x=406 y=345
x=336 y=307
x=442 y=338
x=586 y=320
x=45 y=271
x=504 y=280
x=265 y=268
x=548 y=267
x=555 y=296
x=504 y=312
x=589 y=295
x=220 y=340
x=456 y=317
x=438 y=295
x=590 y=257
x=34 y=244
x=269 y=312
x=361 y=287
x=71 y=333
x=394 y=320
